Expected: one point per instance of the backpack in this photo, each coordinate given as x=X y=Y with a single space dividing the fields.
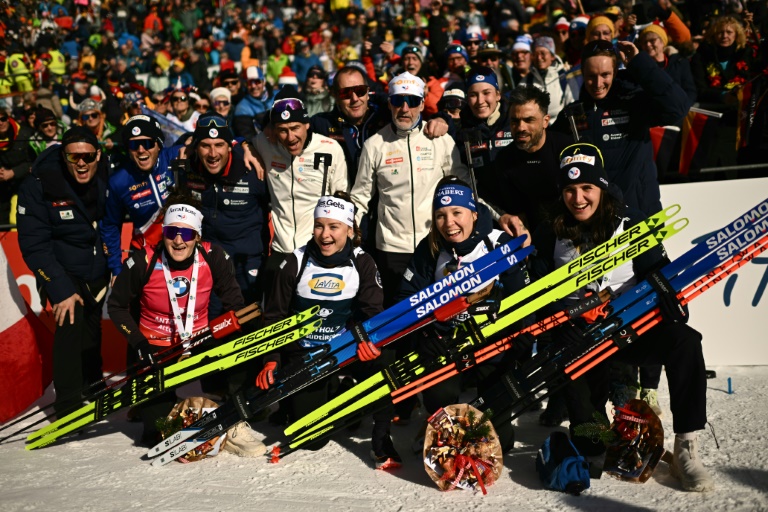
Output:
x=560 y=466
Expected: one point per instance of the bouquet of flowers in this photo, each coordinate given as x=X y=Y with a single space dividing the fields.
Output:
x=184 y=414
x=461 y=449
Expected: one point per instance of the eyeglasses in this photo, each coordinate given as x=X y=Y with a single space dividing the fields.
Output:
x=398 y=100
x=88 y=158
x=135 y=144
x=177 y=99
x=231 y=82
x=220 y=103
x=3 y=119
x=47 y=124
x=358 y=90
x=86 y=117
x=211 y=120
x=171 y=232
x=255 y=81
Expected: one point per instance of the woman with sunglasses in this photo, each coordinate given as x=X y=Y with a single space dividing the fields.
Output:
x=182 y=112
x=221 y=101
x=60 y=204
x=93 y=117
x=590 y=212
x=161 y=297
x=333 y=272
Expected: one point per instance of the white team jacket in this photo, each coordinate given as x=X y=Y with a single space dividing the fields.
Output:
x=404 y=167
x=295 y=184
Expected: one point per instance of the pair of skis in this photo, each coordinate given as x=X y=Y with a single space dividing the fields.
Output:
x=602 y=255
x=439 y=301
x=408 y=377
x=151 y=382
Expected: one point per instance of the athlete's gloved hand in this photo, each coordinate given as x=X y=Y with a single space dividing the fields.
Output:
x=671 y=309
x=266 y=376
x=431 y=345
x=367 y=351
x=569 y=333
x=522 y=345
x=146 y=354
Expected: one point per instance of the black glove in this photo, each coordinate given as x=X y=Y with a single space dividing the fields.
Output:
x=522 y=345
x=669 y=305
x=431 y=345
x=569 y=333
x=146 y=354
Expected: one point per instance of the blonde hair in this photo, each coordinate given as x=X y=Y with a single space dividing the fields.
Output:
x=719 y=24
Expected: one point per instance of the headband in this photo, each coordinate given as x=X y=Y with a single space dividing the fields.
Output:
x=453 y=195
x=330 y=207
x=185 y=214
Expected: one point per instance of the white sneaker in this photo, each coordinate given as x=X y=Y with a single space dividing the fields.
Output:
x=242 y=441
x=651 y=397
x=687 y=467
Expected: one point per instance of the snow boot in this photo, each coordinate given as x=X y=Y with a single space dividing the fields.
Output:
x=687 y=467
x=241 y=441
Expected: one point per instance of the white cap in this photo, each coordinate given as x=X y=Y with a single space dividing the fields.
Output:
x=406 y=83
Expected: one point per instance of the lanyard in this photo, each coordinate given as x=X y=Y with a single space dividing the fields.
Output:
x=183 y=328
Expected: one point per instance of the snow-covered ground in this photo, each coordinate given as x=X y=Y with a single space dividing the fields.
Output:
x=102 y=470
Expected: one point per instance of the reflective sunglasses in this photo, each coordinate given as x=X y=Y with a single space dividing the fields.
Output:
x=86 y=117
x=358 y=90
x=221 y=103
x=211 y=120
x=231 y=82
x=171 y=232
x=135 y=144
x=176 y=99
x=3 y=119
x=88 y=158
x=398 y=100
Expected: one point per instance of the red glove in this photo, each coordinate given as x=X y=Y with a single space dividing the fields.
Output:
x=367 y=351
x=266 y=377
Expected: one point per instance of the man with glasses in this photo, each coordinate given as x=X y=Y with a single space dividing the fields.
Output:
x=60 y=205
x=48 y=130
x=138 y=188
x=182 y=112
x=250 y=113
x=492 y=57
x=302 y=165
x=404 y=166
x=16 y=157
x=228 y=78
x=473 y=42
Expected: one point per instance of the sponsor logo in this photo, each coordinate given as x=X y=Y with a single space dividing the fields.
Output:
x=285 y=115
x=57 y=204
x=324 y=312
x=278 y=165
x=502 y=143
x=578 y=158
x=139 y=195
x=137 y=186
x=222 y=325
x=479 y=147
x=611 y=121
x=327 y=285
x=136 y=131
x=445 y=200
x=180 y=286
x=213 y=133
x=574 y=173
x=66 y=215
x=391 y=161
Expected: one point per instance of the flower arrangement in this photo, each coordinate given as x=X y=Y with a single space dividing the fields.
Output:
x=184 y=414
x=461 y=449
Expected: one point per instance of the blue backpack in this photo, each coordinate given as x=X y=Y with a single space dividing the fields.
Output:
x=560 y=466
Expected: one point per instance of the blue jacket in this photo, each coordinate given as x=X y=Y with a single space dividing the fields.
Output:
x=246 y=112
x=57 y=234
x=234 y=207
x=138 y=194
x=301 y=65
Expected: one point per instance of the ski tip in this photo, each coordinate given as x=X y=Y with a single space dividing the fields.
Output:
x=673 y=210
x=275 y=455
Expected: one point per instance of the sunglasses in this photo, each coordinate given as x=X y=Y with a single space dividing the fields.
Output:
x=3 y=119
x=486 y=58
x=177 y=99
x=398 y=100
x=171 y=232
x=314 y=75
x=86 y=117
x=135 y=144
x=210 y=120
x=358 y=90
x=221 y=103
x=255 y=81
x=88 y=158
x=473 y=43
x=48 y=124
x=231 y=82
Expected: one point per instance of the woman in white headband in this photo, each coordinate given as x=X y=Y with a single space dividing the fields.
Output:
x=172 y=285
x=330 y=271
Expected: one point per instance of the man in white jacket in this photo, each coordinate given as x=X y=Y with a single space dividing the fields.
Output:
x=301 y=167
x=403 y=165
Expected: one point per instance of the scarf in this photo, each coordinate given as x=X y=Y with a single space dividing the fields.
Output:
x=332 y=261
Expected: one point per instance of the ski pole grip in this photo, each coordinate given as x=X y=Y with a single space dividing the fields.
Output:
x=450 y=310
x=224 y=325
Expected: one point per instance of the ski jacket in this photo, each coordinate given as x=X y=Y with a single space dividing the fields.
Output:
x=404 y=167
x=619 y=125
x=139 y=304
x=140 y=195
x=296 y=183
x=58 y=234
x=234 y=206
x=486 y=140
x=246 y=111
x=347 y=292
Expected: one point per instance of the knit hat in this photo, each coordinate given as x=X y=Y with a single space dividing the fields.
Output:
x=656 y=29
x=412 y=49
x=454 y=49
x=79 y=134
x=221 y=91
x=522 y=43
x=474 y=35
x=212 y=126
x=562 y=24
x=579 y=23
x=599 y=20
x=582 y=163
x=43 y=115
x=288 y=107
x=406 y=83
x=254 y=73
x=287 y=77
x=482 y=75
x=142 y=126
x=545 y=42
